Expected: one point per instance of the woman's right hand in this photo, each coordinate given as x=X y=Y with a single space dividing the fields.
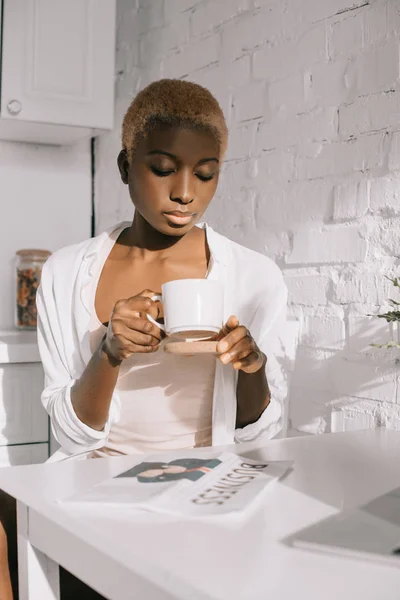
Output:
x=129 y=331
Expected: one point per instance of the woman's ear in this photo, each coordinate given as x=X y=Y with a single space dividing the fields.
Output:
x=123 y=165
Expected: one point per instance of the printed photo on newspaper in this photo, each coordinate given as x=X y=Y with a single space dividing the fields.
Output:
x=217 y=485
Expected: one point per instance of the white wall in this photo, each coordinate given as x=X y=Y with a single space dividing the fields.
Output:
x=310 y=89
x=45 y=196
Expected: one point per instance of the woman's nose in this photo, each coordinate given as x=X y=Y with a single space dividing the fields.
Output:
x=183 y=188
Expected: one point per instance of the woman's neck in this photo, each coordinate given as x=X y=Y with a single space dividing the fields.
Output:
x=143 y=241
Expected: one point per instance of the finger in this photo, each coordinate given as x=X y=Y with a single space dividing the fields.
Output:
x=143 y=325
x=250 y=364
x=238 y=351
x=147 y=294
x=133 y=304
x=155 y=308
x=128 y=348
x=232 y=338
x=229 y=326
x=138 y=306
x=121 y=330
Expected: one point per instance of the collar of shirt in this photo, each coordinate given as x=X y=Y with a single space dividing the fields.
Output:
x=218 y=256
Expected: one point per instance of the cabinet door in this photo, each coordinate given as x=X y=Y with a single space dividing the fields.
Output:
x=58 y=61
x=22 y=416
x=29 y=454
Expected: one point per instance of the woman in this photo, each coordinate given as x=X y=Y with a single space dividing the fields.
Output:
x=109 y=387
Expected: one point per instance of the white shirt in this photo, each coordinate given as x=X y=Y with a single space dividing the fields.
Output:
x=165 y=400
x=254 y=291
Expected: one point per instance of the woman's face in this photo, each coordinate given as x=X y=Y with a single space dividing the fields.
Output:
x=173 y=177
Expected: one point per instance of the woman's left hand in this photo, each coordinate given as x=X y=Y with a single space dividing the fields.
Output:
x=236 y=346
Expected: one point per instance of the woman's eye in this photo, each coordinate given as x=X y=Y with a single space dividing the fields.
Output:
x=205 y=177
x=161 y=172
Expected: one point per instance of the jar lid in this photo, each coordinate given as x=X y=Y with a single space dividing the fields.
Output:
x=33 y=253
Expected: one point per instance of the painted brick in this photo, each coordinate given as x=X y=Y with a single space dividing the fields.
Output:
x=318 y=125
x=156 y=43
x=151 y=15
x=376 y=22
x=357 y=415
x=241 y=36
x=324 y=332
x=295 y=205
x=363 y=380
x=271 y=23
x=351 y=200
x=241 y=140
x=393 y=10
x=328 y=84
x=209 y=77
x=289 y=58
x=338 y=245
x=389 y=416
x=314 y=12
x=385 y=195
x=370 y=113
x=175 y=7
x=235 y=174
x=378 y=68
x=346 y=36
x=364 y=331
x=287 y=94
x=239 y=71
x=394 y=155
x=362 y=288
x=250 y=106
x=209 y=15
x=343 y=157
x=196 y=56
x=276 y=166
x=306 y=203
x=308 y=290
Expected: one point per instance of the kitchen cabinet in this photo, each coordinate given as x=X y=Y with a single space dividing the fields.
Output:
x=24 y=424
x=57 y=69
x=29 y=454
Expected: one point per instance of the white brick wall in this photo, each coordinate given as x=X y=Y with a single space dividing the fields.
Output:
x=311 y=93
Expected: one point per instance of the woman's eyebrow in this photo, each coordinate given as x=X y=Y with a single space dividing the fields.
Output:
x=169 y=155
x=204 y=160
x=162 y=152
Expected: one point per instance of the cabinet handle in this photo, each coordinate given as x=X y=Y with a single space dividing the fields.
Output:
x=14 y=107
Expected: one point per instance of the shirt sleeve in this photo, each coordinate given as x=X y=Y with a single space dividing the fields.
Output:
x=269 y=321
x=71 y=433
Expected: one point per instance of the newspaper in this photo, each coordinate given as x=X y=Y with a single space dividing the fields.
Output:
x=217 y=485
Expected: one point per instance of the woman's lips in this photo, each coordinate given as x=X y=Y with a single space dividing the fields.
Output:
x=179 y=218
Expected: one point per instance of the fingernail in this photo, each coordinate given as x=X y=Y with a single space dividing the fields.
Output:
x=222 y=346
x=225 y=358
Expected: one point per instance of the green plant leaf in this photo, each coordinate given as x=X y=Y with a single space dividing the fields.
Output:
x=393 y=315
x=395 y=281
x=388 y=345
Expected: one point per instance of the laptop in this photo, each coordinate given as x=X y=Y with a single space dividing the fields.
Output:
x=371 y=531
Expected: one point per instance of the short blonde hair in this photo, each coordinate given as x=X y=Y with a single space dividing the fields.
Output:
x=173 y=102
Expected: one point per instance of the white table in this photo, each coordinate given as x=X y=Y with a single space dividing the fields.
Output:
x=158 y=558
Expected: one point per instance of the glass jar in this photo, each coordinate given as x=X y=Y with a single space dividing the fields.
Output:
x=29 y=265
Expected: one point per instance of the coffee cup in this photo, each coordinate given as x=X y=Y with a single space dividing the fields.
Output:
x=193 y=308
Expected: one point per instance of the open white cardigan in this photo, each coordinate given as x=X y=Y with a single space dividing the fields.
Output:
x=254 y=291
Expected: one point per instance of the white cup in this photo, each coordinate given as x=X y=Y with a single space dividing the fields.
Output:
x=193 y=308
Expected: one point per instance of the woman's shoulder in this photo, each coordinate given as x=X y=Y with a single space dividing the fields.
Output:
x=68 y=254
x=70 y=258
x=245 y=261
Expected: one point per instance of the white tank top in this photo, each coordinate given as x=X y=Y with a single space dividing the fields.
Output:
x=166 y=400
